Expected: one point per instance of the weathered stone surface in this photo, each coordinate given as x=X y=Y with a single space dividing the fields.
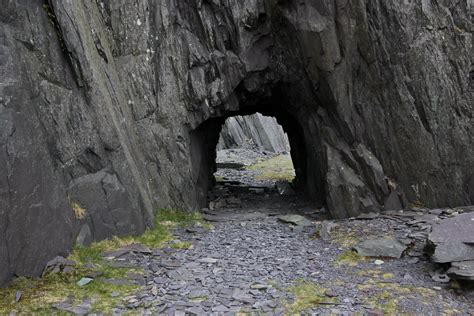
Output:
x=382 y=247
x=456 y=229
x=137 y=92
x=295 y=219
x=453 y=239
x=462 y=270
x=452 y=251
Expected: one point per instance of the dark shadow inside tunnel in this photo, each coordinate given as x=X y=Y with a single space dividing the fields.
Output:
x=205 y=142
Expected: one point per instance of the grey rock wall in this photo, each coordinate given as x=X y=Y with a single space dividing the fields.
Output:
x=256 y=130
x=117 y=106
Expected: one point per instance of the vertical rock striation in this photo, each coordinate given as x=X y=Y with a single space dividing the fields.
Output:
x=261 y=131
x=116 y=107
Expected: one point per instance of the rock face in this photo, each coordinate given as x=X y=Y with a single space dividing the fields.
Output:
x=117 y=106
x=261 y=131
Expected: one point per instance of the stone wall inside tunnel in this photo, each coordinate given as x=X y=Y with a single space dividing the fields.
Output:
x=99 y=102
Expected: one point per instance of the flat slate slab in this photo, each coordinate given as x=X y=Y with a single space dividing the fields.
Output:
x=295 y=219
x=453 y=239
x=381 y=247
x=462 y=270
x=455 y=229
x=452 y=251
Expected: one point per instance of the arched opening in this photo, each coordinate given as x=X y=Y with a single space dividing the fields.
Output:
x=205 y=142
x=253 y=151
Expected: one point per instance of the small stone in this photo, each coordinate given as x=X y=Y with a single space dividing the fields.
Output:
x=258 y=286
x=413 y=260
x=379 y=262
x=208 y=260
x=441 y=278
x=331 y=293
x=18 y=296
x=295 y=219
x=326 y=228
x=220 y=309
x=84 y=281
x=407 y=277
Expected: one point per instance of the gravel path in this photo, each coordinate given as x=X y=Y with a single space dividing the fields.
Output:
x=252 y=262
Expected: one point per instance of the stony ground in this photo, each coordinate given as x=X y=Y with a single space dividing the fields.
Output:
x=249 y=261
x=252 y=262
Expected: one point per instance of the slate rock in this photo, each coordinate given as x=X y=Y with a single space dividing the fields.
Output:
x=456 y=229
x=295 y=219
x=381 y=247
x=84 y=238
x=84 y=281
x=462 y=270
x=326 y=228
x=441 y=278
x=452 y=239
x=284 y=188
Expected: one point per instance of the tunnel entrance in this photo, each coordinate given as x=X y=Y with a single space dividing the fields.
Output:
x=249 y=162
x=253 y=151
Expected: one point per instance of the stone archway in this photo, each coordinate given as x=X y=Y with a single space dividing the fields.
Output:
x=204 y=139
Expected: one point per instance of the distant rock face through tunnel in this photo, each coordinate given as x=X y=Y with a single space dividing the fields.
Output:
x=116 y=106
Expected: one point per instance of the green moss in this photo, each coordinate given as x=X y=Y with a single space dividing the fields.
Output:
x=307 y=295
x=276 y=168
x=38 y=295
x=182 y=245
x=179 y=217
x=350 y=258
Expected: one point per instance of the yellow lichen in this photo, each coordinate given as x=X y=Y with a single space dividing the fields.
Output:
x=79 y=211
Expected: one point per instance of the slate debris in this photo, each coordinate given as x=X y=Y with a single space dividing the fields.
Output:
x=59 y=265
x=452 y=242
x=381 y=247
x=295 y=219
x=462 y=270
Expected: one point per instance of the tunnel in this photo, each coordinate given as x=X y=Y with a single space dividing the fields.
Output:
x=205 y=137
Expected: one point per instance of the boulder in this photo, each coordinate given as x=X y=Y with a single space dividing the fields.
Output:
x=382 y=247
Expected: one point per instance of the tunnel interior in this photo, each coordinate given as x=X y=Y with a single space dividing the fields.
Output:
x=204 y=140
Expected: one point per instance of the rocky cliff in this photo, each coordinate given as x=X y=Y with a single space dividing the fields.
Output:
x=111 y=109
x=257 y=130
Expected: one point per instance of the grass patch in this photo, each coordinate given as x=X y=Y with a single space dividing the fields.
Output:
x=276 y=168
x=307 y=295
x=178 y=217
x=346 y=238
x=38 y=295
x=181 y=245
x=387 y=296
x=349 y=258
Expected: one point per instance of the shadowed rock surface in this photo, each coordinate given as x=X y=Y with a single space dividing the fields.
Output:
x=118 y=106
